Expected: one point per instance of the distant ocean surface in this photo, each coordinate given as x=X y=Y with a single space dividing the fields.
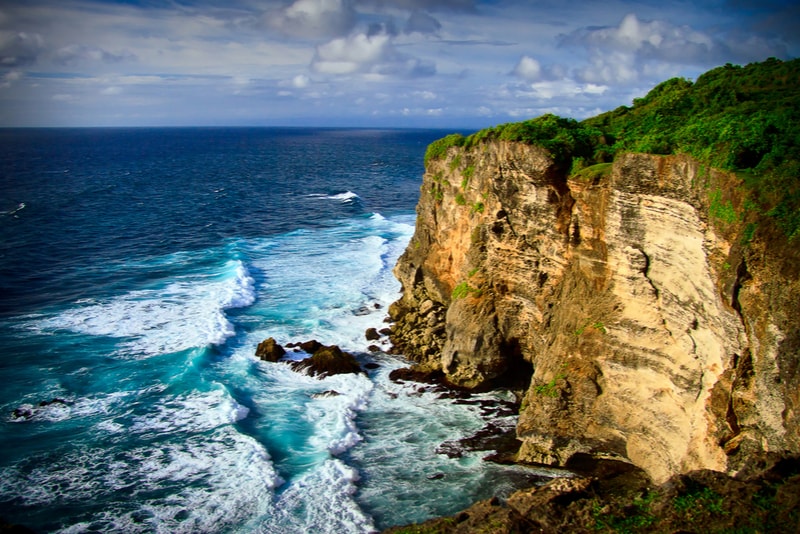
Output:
x=139 y=269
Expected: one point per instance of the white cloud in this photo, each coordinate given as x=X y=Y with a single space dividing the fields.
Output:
x=528 y=69
x=72 y=54
x=425 y=95
x=373 y=55
x=300 y=81
x=314 y=18
x=616 y=68
x=655 y=36
x=9 y=78
x=620 y=54
x=562 y=89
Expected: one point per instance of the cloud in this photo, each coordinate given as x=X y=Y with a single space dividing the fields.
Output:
x=547 y=90
x=617 y=68
x=528 y=69
x=620 y=53
x=372 y=54
x=421 y=22
x=72 y=54
x=655 y=39
x=7 y=79
x=429 y=5
x=424 y=95
x=300 y=81
x=315 y=18
x=20 y=49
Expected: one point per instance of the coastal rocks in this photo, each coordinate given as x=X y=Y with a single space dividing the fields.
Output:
x=269 y=350
x=766 y=500
x=639 y=326
x=29 y=411
x=324 y=360
x=328 y=361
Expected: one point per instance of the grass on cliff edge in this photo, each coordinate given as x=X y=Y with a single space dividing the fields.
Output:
x=734 y=118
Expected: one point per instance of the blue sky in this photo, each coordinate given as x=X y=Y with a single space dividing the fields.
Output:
x=403 y=63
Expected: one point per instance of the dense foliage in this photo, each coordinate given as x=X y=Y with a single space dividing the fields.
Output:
x=742 y=119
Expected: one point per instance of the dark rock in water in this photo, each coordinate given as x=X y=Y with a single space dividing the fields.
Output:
x=23 y=412
x=325 y=394
x=269 y=350
x=385 y=331
x=27 y=411
x=53 y=401
x=10 y=528
x=413 y=374
x=371 y=366
x=328 y=361
x=374 y=348
x=372 y=334
x=436 y=476
x=310 y=347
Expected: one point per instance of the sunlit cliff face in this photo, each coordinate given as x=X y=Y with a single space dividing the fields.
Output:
x=650 y=329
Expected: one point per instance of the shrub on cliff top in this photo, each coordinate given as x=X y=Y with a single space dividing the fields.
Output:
x=438 y=149
x=563 y=138
x=733 y=118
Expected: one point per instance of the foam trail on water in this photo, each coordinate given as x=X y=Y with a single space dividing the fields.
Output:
x=346 y=278
x=180 y=313
x=180 y=466
x=320 y=502
x=346 y=197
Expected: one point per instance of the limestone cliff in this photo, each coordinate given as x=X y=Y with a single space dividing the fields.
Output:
x=658 y=330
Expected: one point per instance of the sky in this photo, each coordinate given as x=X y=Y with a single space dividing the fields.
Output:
x=365 y=63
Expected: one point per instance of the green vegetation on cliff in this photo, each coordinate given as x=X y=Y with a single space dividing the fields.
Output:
x=741 y=119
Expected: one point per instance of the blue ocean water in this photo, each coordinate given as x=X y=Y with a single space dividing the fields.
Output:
x=139 y=269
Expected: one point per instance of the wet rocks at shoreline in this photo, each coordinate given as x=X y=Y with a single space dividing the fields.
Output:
x=324 y=360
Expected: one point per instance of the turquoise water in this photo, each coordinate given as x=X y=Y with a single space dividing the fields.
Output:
x=140 y=268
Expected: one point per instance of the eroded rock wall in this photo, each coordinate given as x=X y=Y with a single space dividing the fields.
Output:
x=654 y=334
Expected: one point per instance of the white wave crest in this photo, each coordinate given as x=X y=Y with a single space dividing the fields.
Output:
x=188 y=312
x=347 y=196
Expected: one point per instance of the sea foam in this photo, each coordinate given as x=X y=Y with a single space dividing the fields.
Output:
x=185 y=312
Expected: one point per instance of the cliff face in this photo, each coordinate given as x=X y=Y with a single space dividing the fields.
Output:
x=655 y=332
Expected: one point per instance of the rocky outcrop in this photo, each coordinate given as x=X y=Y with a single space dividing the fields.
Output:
x=269 y=350
x=327 y=361
x=765 y=499
x=324 y=360
x=647 y=319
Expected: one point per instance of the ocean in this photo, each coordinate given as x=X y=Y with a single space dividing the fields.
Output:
x=140 y=268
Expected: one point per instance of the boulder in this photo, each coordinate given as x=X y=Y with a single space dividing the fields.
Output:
x=372 y=334
x=269 y=350
x=310 y=347
x=327 y=361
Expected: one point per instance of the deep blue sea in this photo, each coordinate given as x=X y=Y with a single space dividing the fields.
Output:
x=139 y=269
